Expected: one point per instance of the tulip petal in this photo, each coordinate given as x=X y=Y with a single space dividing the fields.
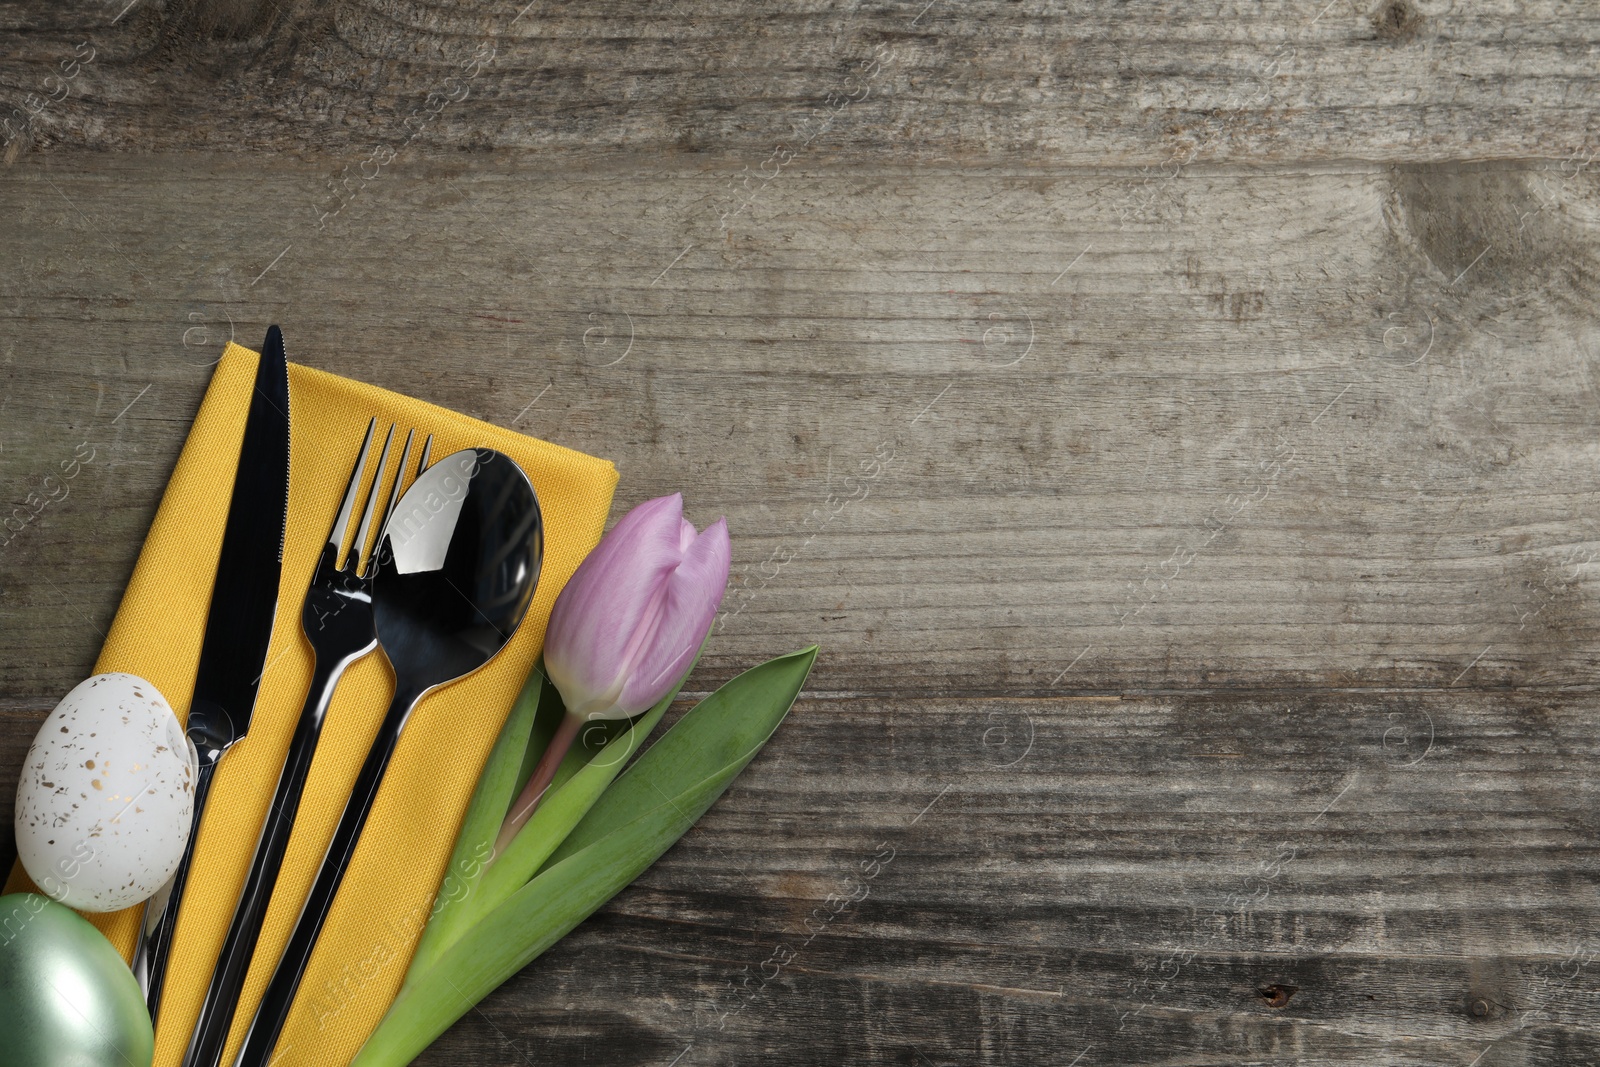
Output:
x=612 y=593
x=692 y=595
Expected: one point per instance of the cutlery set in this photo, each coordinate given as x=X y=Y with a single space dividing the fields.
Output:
x=438 y=576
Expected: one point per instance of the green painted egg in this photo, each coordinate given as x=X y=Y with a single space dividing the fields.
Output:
x=66 y=997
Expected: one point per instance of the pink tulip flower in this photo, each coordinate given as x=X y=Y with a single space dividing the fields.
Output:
x=626 y=628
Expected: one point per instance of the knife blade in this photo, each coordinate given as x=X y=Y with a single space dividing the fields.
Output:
x=233 y=654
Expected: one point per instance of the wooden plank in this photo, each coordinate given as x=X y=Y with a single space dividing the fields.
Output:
x=19 y=721
x=973 y=431
x=1035 y=879
x=1117 y=880
x=1158 y=83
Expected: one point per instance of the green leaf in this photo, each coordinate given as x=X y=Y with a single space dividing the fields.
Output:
x=562 y=808
x=598 y=756
x=636 y=820
x=727 y=726
x=497 y=787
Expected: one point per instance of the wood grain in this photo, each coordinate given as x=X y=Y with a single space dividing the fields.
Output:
x=1002 y=880
x=1314 y=426
x=1117 y=879
x=1176 y=424
x=1156 y=83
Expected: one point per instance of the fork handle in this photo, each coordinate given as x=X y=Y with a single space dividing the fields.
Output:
x=233 y=964
x=273 y=1010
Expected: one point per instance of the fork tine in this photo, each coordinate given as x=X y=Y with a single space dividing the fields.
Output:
x=399 y=484
x=399 y=480
x=358 y=547
x=341 y=525
x=394 y=496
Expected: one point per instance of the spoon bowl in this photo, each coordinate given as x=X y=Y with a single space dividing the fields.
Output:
x=457 y=563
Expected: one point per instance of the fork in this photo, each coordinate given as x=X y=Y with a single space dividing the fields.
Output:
x=337 y=620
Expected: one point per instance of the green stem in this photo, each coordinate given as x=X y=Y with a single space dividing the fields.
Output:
x=523 y=807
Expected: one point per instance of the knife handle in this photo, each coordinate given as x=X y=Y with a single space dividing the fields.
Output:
x=155 y=944
x=233 y=964
x=273 y=1011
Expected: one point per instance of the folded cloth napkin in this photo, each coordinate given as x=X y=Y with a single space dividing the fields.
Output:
x=389 y=887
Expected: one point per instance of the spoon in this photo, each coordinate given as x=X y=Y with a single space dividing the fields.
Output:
x=457 y=566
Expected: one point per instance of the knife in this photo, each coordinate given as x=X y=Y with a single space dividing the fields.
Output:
x=244 y=602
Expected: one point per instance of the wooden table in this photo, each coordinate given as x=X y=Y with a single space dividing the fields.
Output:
x=1176 y=422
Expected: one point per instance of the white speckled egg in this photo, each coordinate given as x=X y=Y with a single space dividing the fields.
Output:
x=106 y=798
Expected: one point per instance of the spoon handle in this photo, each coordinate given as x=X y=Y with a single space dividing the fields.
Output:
x=273 y=1011
x=233 y=964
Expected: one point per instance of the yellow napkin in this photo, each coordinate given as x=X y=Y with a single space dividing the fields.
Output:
x=389 y=887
